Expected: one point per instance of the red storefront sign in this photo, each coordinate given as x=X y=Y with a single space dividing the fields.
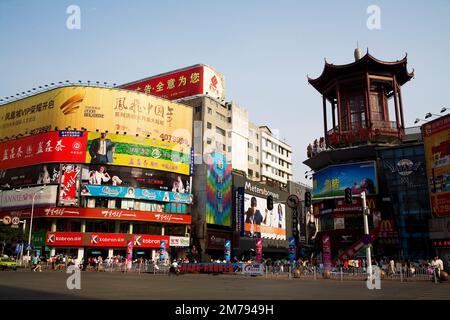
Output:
x=108 y=240
x=171 y=86
x=65 y=239
x=150 y=241
x=98 y=213
x=55 y=146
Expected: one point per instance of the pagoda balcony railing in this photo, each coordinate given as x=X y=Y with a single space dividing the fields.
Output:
x=379 y=131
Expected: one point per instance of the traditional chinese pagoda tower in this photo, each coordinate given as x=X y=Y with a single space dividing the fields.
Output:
x=360 y=97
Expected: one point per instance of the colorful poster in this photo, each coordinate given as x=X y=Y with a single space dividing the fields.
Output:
x=103 y=109
x=132 y=193
x=31 y=175
x=436 y=138
x=260 y=222
x=326 y=254
x=107 y=175
x=162 y=250
x=98 y=213
x=129 y=254
x=106 y=148
x=259 y=249
x=14 y=199
x=227 y=251
x=68 y=190
x=190 y=81
x=333 y=180
x=218 y=190
x=292 y=250
x=55 y=146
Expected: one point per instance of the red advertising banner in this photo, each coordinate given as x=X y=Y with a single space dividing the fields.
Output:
x=68 y=195
x=98 y=213
x=150 y=241
x=259 y=250
x=108 y=240
x=172 y=86
x=55 y=146
x=66 y=239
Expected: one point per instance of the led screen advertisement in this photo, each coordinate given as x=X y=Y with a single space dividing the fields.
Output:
x=106 y=148
x=107 y=175
x=218 y=190
x=436 y=137
x=31 y=175
x=260 y=222
x=135 y=193
x=102 y=109
x=54 y=146
x=333 y=180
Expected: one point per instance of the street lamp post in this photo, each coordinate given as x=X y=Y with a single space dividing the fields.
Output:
x=41 y=189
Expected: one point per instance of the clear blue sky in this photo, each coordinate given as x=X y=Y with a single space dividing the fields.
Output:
x=265 y=49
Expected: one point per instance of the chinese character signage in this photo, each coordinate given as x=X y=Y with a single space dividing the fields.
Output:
x=42 y=148
x=139 y=152
x=218 y=190
x=102 y=109
x=436 y=138
x=191 y=81
x=68 y=190
x=333 y=180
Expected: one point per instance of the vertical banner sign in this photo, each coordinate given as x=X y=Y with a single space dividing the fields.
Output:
x=162 y=250
x=227 y=247
x=326 y=252
x=129 y=254
x=301 y=213
x=295 y=222
x=292 y=250
x=68 y=190
x=259 y=250
x=240 y=211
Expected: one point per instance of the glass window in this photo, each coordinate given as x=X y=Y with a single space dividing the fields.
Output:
x=208 y=125
x=250 y=158
x=250 y=146
x=209 y=111
x=220 y=131
x=229 y=149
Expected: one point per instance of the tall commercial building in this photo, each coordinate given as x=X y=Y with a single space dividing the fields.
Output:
x=105 y=172
x=276 y=159
x=254 y=152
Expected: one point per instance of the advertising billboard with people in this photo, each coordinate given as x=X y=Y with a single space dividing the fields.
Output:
x=333 y=180
x=436 y=139
x=105 y=148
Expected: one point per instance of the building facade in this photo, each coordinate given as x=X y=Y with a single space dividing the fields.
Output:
x=116 y=181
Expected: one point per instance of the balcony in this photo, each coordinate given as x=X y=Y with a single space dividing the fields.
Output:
x=381 y=131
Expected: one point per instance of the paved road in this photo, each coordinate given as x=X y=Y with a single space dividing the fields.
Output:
x=52 y=285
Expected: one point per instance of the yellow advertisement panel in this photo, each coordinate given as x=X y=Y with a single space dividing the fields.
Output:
x=436 y=135
x=102 y=109
x=106 y=148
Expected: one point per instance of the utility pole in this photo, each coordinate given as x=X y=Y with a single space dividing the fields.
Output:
x=366 y=231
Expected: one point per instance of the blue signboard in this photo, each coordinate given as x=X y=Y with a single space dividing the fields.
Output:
x=333 y=180
x=292 y=250
x=162 y=250
x=135 y=193
x=227 y=248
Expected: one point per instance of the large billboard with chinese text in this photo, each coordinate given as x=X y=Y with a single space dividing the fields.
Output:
x=54 y=146
x=103 y=109
x=333 y=180
x=218 y=190
x=107 y=175
x=436 y=138
x=190 y=81
x=138 y=152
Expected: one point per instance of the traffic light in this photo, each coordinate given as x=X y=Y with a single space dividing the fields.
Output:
x=307 y=199
x=348 y=196
x=269 y=202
